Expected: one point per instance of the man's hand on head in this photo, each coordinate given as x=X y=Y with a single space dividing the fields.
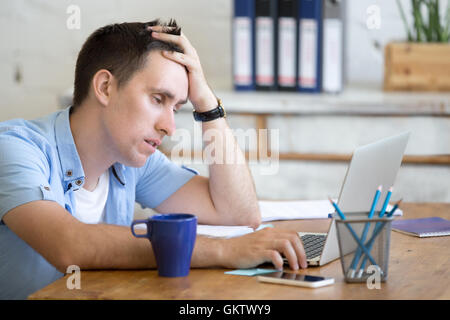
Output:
x=200 y=94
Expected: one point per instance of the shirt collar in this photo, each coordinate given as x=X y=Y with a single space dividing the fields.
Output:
x=72 y=169
x=118 y=171
x=73 y=173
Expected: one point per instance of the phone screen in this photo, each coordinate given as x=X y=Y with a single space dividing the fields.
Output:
x=293 y=276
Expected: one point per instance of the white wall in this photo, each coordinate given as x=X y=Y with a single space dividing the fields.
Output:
x=37 y=46
x=38 y=54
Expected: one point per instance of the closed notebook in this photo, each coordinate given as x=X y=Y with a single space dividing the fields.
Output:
x=425 y=227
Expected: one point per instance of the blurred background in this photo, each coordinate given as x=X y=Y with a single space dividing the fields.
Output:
x=318 y=132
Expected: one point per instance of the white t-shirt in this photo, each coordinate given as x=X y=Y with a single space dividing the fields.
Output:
x=90 y=205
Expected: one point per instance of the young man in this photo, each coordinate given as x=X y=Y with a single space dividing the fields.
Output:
x=69 y=181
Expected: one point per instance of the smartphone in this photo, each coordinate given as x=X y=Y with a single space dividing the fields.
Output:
x=296 y=279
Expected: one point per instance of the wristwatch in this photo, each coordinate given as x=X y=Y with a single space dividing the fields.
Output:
x=210 y=115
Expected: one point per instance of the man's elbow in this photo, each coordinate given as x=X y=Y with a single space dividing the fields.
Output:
x=63 y=261
x=252 y=218
x=68 y=255
x=255 y=222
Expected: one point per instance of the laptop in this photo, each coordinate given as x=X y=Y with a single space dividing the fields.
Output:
x=371 y=165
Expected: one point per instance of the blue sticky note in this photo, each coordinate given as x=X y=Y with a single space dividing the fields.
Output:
x=250 y=272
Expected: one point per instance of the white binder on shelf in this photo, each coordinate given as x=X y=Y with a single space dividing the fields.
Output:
x=333 y=46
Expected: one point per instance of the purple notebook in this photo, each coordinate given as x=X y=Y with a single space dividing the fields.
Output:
x=425 y=227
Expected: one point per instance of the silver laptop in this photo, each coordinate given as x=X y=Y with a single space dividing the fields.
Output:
x=371 y=165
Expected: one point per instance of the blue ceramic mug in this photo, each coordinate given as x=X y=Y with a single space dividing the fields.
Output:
x=172 y=237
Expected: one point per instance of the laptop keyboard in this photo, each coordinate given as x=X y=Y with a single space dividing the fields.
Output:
x=313 y=244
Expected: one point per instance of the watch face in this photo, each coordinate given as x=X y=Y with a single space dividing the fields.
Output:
x=222 y=112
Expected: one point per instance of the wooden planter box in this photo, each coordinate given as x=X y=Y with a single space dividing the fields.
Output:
x=417 y=67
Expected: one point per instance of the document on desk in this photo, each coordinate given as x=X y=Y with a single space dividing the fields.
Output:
x=290 y=210
x=300 y=209
x=277 y=210
x=227 y=231
x=223 y=231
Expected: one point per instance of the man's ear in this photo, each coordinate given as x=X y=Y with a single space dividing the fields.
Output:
x=102 y=84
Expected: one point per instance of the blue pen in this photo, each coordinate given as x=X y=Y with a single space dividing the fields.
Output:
x=375 y=234
x=357 y=255
x=352 y=232
x=391 y=213
x=377 y=225
x=386 y=202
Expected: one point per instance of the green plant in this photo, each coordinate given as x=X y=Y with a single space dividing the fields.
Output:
x=427 y=27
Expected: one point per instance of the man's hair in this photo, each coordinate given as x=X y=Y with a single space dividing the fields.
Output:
x=122 y=49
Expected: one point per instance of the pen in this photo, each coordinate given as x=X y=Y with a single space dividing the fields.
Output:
x=375 y=201
x=391 y=213
x=352 y=232
x=386 y=202
x=357 y=255
x=375 y=234
x=341 y=215
x=381 y=214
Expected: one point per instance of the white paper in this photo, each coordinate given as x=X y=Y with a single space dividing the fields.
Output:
x=303 y=209
x=274 y=210
x=223 y=231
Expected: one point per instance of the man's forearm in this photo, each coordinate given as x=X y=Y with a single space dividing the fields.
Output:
x=104 y=246
x=230 y=182
x=114 y=247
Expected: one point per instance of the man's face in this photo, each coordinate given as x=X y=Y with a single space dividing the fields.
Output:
x=140 y=113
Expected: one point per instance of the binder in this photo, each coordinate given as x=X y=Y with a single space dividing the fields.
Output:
x=243 y=45
x=287 y=45
x=333 y=46
x=310 y=46
x=265 y=44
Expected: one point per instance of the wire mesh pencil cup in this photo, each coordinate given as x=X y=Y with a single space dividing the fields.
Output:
x=364 y=246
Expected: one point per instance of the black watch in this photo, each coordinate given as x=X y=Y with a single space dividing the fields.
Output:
x=210 y=115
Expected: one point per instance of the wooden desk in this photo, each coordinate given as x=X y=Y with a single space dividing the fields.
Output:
x=418 y=269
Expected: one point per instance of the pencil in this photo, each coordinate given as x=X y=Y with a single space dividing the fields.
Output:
x=357 y=255
x=391 y=213
x=352 y=232
x=386 y=202
x=374 y=235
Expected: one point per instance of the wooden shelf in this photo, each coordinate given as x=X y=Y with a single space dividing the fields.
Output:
x=332 y=157
x=353 y=101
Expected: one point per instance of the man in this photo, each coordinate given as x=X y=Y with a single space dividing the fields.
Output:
x=69 y=181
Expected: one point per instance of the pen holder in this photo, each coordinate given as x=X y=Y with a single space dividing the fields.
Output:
x=364 y=246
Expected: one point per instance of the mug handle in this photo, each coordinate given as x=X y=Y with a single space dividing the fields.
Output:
x=135 y=222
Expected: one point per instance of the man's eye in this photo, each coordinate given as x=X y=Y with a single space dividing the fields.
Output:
x=158 y=100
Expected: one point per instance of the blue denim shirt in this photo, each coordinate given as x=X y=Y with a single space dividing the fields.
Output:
x=39 y=161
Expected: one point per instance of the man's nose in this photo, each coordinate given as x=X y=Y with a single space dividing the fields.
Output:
x=166 y=123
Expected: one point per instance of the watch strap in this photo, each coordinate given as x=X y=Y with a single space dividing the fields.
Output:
x=216 y=113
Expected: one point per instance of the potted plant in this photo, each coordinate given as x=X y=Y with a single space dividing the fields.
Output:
x=423 y=62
